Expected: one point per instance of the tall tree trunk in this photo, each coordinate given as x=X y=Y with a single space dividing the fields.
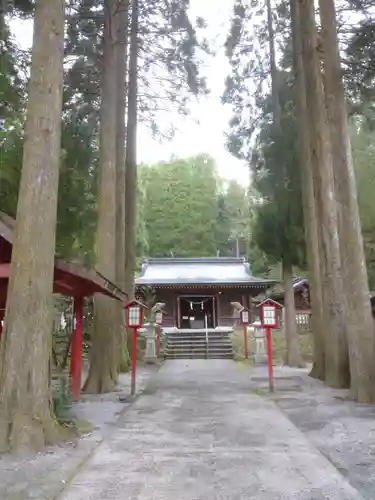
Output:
x=121 y=62
x=274 y=74
x=293 y=354
x=26 y=419
x=312 y=234
x=103 y=373
x=290 y=311
x=360 y=327
x=337 y=362
x=131 y=156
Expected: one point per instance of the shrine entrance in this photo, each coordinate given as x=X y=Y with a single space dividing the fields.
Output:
x=196 y=311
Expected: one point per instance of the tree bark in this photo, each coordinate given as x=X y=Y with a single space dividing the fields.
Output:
x=26 y=418
x=337 y=362
x=312 y=234
x=274 y=75
x=103 y=375
x=131 y=157
x=293 y=354
x=360 y=327
x=121 y=62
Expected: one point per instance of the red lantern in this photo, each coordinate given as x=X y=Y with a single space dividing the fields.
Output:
x=268 y=318
x=245 y=317
x=268 y=314
x=134 y=314
x=134 y=320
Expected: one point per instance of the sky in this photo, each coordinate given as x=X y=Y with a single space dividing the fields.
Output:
x=203 y=131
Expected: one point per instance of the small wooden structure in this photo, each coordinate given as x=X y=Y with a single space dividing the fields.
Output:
x=198 y=292
x=301 y=294
x=302 y=301
x=70 y=279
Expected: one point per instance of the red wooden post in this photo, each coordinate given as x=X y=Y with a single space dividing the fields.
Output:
x=134 y=320
x=134 y=360
x=245 y=342
x=270 y=366
x=77 y=348
x=268 y=319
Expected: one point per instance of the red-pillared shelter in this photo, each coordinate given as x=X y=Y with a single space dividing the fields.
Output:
x=70 y=279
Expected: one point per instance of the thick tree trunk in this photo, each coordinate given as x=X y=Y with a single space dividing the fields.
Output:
x=102 y=375
x=121 y=62
x=337 y=362
x=293 y=354
x=131 y=156
x=312 y=234
x=26 y=419
x=360 y=328
x=293 y=357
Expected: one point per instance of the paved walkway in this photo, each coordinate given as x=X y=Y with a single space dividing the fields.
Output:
x=198 y=433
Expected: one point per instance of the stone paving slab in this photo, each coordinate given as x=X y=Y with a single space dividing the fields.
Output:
x=199 y=433
x=44 y=475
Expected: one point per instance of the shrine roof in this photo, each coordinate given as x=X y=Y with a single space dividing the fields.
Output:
x=70 y=278
x=199 y=271
x=298 y=284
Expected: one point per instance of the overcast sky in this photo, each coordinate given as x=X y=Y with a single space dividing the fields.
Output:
x=203 y=131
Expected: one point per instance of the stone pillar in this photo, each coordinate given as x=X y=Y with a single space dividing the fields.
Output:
x=260 y=356
x=149 y=333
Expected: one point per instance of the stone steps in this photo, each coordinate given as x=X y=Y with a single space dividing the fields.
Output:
x=216 y=345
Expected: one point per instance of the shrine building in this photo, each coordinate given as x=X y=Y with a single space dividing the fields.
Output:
x=198 y=292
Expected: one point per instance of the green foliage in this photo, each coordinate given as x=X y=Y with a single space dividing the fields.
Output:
x=360 y=68
x=12 y=107
x=180 y=207
x=223 y=226
x=249 y=78
x=277 y=230
x=77 y=193
x=142 y=246
x=168 y=74
x=363 y=143
x=278 y=227
x=187 y=212
x=168 y=60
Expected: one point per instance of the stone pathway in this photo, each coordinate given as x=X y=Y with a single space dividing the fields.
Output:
x=199 y=433
x=341 y=429
x=45 y=475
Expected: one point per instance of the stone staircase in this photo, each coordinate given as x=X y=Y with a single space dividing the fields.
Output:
x=196 y=344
